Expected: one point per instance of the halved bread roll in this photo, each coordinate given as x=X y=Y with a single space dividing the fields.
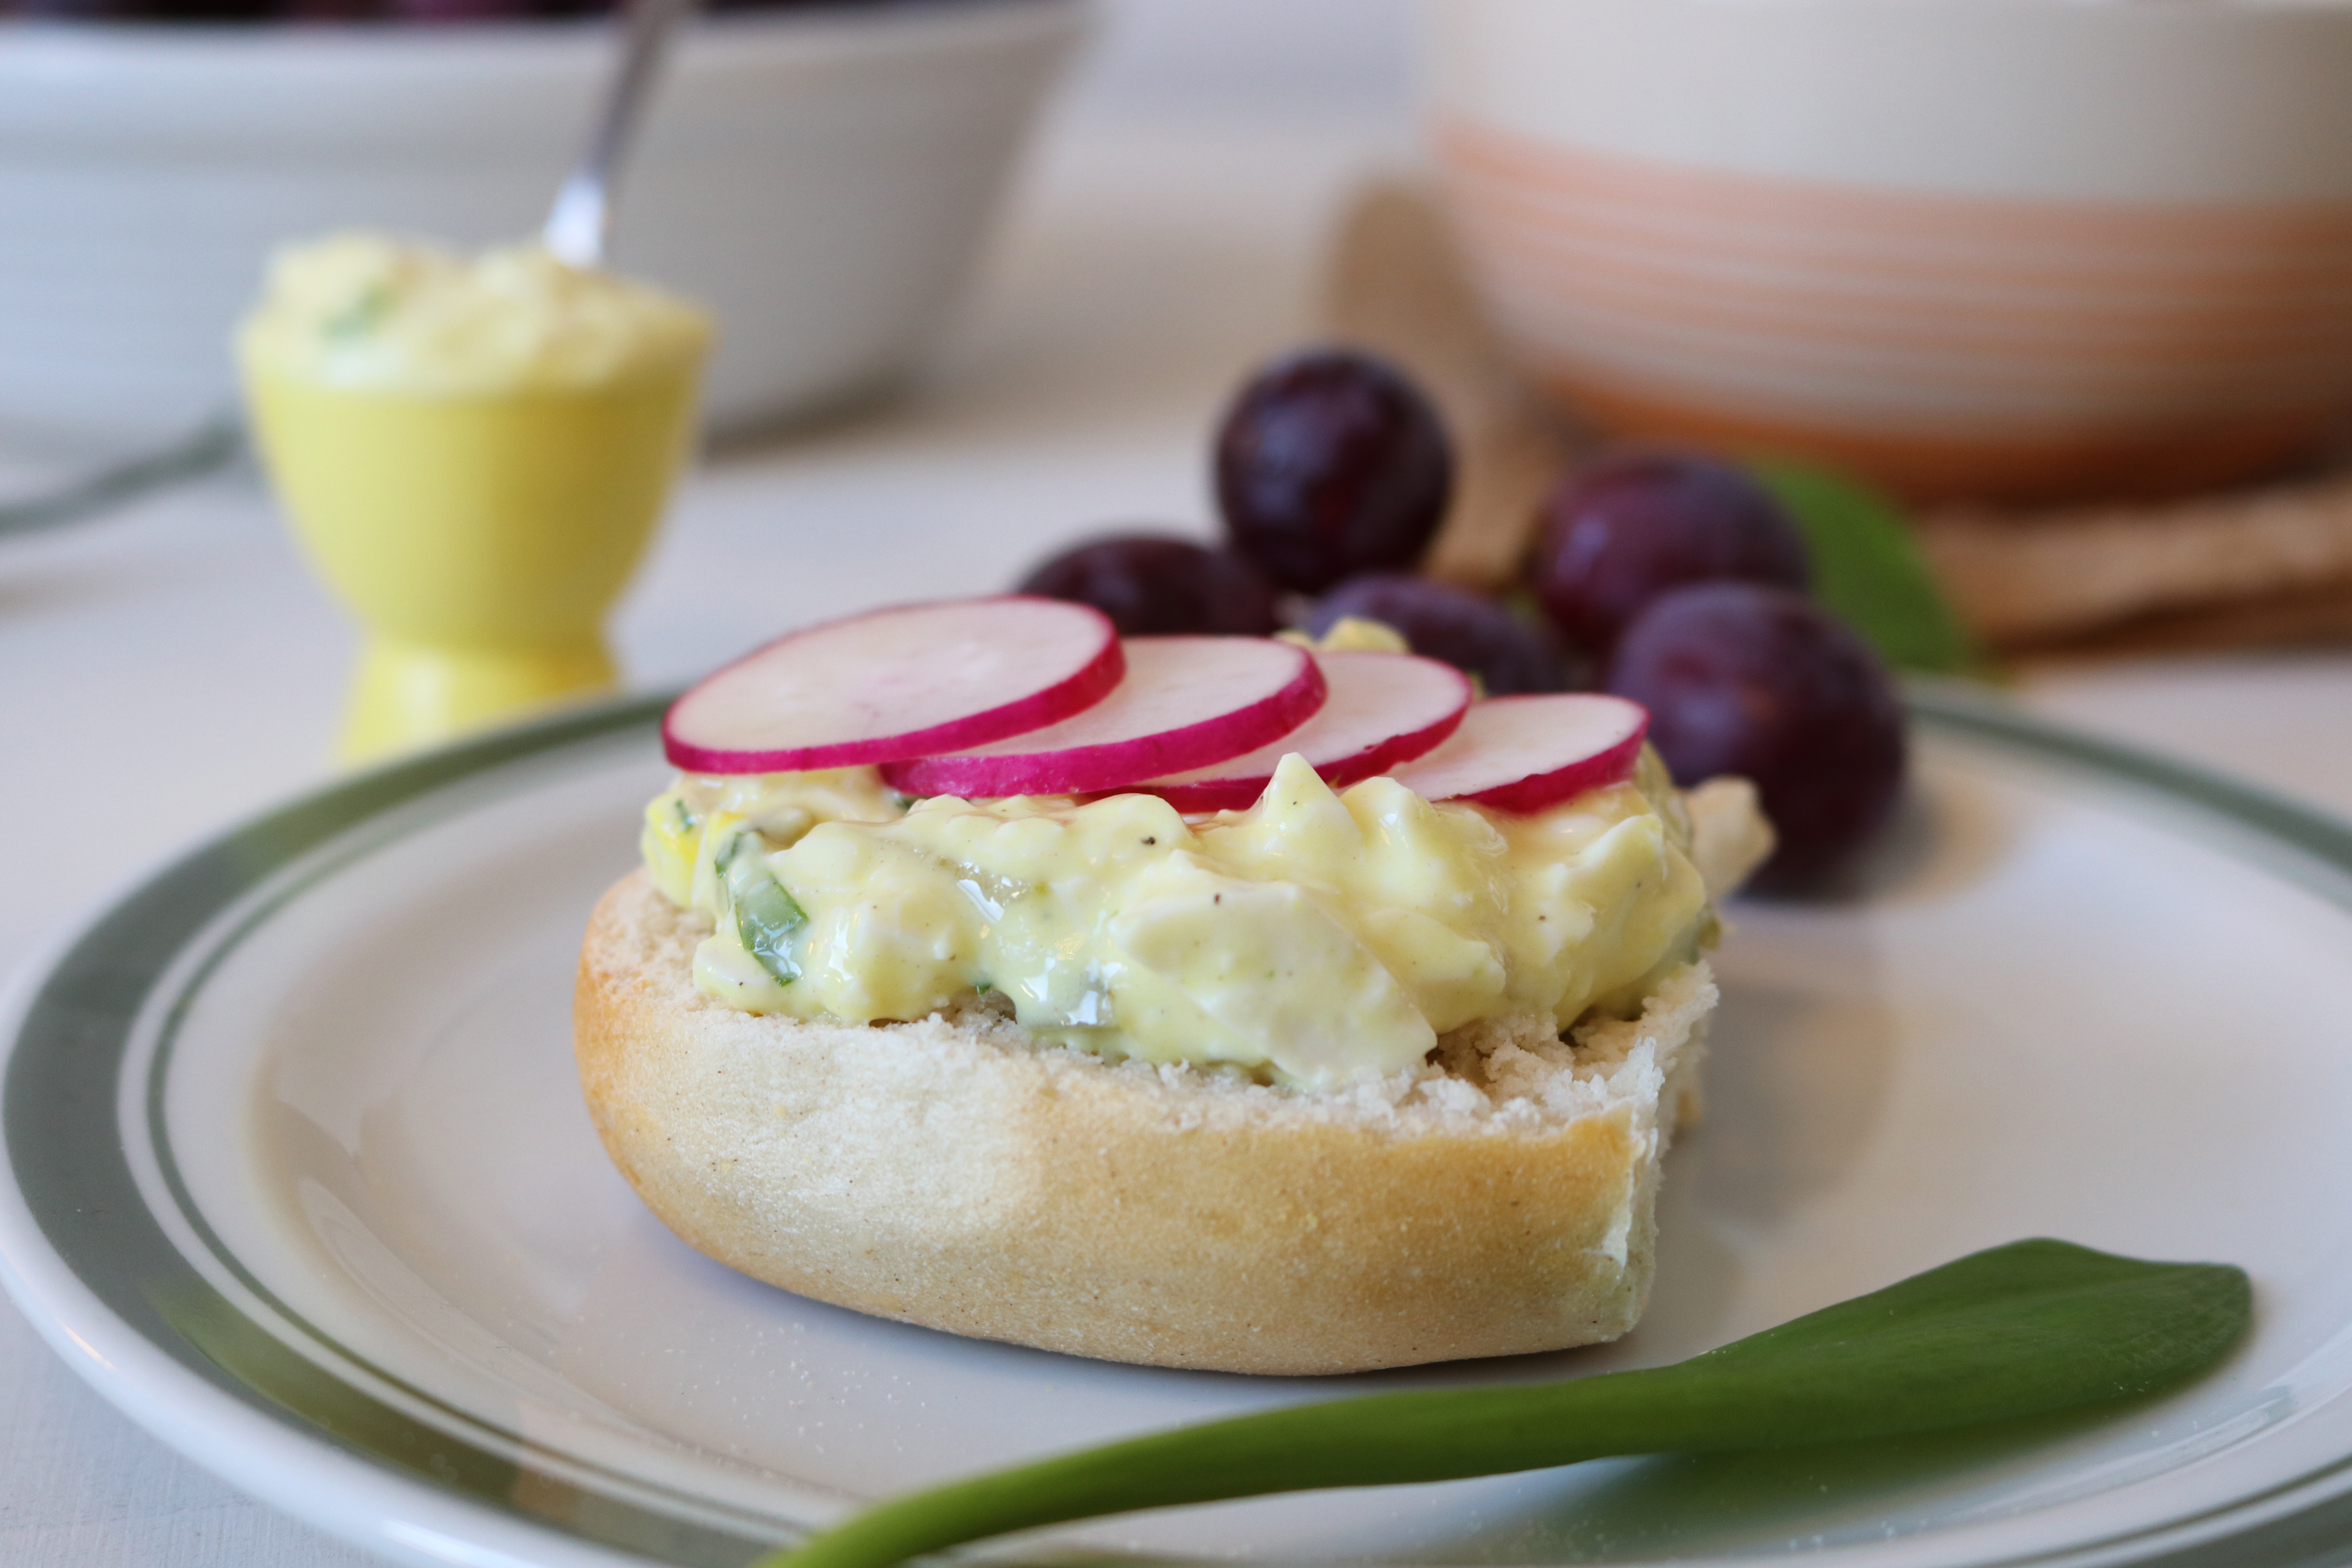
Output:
x=954 y=1173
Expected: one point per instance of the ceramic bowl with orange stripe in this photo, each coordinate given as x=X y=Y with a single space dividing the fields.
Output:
x=2009 y=249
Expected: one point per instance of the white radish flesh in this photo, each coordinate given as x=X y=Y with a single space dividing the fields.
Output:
x=1530 y=753
x=1384 y=709
x=1186 y=702
x=896 y=683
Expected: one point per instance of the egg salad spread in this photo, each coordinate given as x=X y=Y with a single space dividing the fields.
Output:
x=364 y=311
x=1315 y=938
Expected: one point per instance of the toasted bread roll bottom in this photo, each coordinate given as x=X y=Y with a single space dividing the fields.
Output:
x=956 y=1173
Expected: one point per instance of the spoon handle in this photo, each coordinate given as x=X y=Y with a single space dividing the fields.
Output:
x=581 y=222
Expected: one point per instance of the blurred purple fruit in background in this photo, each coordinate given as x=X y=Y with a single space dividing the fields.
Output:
x=1331 y=463
x=1467 y=630
x=1157 y=584
x=1624 y=531
x=1754 y=680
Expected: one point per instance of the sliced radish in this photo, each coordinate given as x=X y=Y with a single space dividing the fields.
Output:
x=1525 y=753
x=1186 y=702
x=1384 y=709
x=896 y=683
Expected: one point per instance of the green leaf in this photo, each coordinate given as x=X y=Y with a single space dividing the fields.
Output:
x=1867 y=568
x=2023 y=1329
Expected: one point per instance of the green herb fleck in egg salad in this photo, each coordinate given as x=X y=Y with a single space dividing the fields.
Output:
x=1317 y=938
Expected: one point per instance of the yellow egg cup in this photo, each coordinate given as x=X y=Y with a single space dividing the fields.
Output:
x=479 y=539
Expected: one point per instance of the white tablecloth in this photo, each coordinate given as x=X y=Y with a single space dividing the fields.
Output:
x=173 y=669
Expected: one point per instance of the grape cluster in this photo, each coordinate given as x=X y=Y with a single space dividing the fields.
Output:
x=1677 y=576
x=1332 y=472
x=1685 y=578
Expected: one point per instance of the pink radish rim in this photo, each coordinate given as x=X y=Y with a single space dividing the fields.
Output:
x=1241 y=791
x=1112 y=766
x=1049 y=705
x=1597 y=770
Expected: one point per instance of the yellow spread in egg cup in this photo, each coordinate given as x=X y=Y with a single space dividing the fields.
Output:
x=480 y=539
x=474 y=453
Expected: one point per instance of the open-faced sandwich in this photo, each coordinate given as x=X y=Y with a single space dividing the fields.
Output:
x=1205 y=1002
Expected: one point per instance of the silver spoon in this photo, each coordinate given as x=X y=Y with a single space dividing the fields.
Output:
x=580 y=224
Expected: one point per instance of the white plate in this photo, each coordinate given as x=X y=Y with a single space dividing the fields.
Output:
x=300 y=1179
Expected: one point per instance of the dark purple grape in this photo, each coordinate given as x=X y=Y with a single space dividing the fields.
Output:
x=462 y=10
x=1329 y=464
x=1153 y=585
x=1467 y=630
x=1747 y=678
x=1623 y=531
x=149 y=10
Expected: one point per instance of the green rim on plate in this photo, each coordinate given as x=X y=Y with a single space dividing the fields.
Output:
x=60 y=1098
x=59 y=1108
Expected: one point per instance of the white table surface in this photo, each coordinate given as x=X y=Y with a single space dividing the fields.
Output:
x=173 y=669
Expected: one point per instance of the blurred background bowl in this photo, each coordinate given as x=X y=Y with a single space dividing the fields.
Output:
x=2006 y=249
x=822 y=177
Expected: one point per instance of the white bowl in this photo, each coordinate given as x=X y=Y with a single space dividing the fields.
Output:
x=820 y=178
x=2004 y=247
